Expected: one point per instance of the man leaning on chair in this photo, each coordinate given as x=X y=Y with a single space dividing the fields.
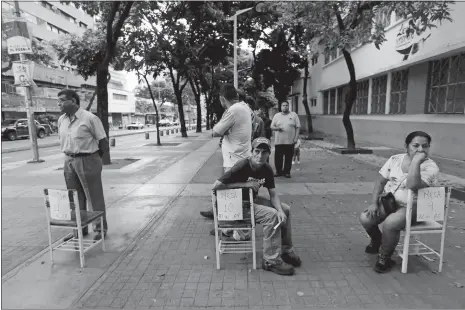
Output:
x=278 y=253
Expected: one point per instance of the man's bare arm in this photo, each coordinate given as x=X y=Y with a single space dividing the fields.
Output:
x=274 y=198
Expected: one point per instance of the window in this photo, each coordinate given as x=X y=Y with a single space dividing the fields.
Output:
x=82 y=25
x=446 y=93
x=120 y=97
x=326 y=58
x=29 y=17
x=399 y=88
x=47 y=5
x=56 y=29
x=332 y=102
x=325 y=102
x=361 y=103
x=333 y=53
x=313 y=102
x=378 y=95
x=8 y=88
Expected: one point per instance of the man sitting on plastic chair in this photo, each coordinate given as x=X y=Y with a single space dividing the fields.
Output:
x=278 y=254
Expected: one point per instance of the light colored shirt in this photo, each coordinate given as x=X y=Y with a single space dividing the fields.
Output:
x=392 y=170
x=236 y=125
x=80 y=133
x=290 y=123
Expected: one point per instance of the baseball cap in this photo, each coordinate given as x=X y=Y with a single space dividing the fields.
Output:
x=261 y=141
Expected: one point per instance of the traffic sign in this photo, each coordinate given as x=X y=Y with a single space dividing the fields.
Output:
x=22 y=72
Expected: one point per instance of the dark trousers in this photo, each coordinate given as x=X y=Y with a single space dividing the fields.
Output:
x=84 y=174
x=286 y=151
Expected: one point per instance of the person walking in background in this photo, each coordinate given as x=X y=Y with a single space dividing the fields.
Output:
x=235 y=126
x=286 y=125
x=84 y=141
x=266 y=121
x=296 y=152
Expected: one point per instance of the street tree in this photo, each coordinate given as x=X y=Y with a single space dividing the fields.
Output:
x=342 y=25
x=95 y=50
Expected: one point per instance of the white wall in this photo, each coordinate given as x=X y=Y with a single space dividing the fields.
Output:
x=370 y=61
x=121 y=106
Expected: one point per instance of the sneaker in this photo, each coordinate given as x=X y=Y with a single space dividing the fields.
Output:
x=372 y=248
x=382 y=268
x=293 y=162
x=281 y=268
x=292 y=259
x=99 y=236
x=208 y=214
x=287 y=175
x=276 y=175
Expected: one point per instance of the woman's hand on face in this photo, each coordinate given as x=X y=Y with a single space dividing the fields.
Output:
x=421 y=157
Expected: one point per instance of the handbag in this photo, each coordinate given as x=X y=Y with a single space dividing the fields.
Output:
x=388 y=201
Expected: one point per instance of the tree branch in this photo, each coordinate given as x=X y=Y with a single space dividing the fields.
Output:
x=111 y=17
x=340 y=22
x=120 y=22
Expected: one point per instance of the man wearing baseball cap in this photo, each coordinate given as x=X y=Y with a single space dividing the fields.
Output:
x=254 y=172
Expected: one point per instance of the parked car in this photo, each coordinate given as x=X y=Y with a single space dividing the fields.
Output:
x=13 y=129
x=137 y=125
x=164 y=122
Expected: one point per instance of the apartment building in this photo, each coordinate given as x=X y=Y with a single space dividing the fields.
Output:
x=49 y=21
x=412 y=83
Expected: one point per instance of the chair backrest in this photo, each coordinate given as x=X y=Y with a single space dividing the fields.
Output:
x=61 y=203
x=432 y=203
x=229 y=204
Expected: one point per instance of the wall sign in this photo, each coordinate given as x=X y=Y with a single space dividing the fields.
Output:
x=229 y=204
x=409 y=42
x=22 y=72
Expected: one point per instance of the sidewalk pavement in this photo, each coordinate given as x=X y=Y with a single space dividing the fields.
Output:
x=113 y=134
x=134 y=198
x=173 y=265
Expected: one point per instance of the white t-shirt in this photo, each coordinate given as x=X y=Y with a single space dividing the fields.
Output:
x=392 y=170
x=238 y=121
x=290 y=123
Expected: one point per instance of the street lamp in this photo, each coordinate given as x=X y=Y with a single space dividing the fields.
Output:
x=258 y=8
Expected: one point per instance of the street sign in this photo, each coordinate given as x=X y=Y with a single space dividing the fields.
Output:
x=18 y=37
x=22 y=72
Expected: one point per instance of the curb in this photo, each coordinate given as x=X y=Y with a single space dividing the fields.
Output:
x=78 y=303
x=25 y=148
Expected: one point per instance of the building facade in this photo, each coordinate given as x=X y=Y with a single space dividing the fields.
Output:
x=49 y=21
x=411 y=83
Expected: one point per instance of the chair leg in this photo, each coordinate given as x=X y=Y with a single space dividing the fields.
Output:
x=254 y=249
x=405 y=252
x=217 y=248
x=81 y=247
x=50 y=242
x=441 y=253
x=103 y=234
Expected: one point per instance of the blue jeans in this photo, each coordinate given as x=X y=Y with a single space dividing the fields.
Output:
x=275 y=241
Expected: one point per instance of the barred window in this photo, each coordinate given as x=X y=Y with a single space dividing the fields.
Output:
x=340 y=101
x=325 y=102
x=378 y=95
x=120 y=97
x=446 y=93
x=399 y=89
x=313 y=102
x=333 y=53
x=361 y=103
x=326 y=58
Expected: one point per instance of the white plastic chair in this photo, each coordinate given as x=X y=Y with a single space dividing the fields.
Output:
x=227 y=217
x=60 y=207
x=432 y=211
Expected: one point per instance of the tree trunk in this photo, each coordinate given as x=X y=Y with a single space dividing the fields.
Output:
x=157 y=118
x=102 y=105
x=181 y=113
x=196 y=90
x=349 y=100
x=305 y=101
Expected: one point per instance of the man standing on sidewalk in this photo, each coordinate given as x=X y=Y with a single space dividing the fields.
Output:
x=83 y=140
x=287 y=126
x=235 y=127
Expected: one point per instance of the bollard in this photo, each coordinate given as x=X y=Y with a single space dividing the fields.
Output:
x=112 y=141
x=147 y=135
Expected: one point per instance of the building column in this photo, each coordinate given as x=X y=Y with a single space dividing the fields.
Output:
x=370 y=93
x=388 y=93
x=329 y=102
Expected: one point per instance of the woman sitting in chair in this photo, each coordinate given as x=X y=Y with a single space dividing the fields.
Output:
x=413 y=170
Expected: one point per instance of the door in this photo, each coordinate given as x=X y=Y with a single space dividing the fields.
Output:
x=22 y=128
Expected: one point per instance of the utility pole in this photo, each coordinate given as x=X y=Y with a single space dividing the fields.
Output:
x=30 y=113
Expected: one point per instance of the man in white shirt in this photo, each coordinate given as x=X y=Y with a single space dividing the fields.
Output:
x=235 y=127
x=286 y=125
